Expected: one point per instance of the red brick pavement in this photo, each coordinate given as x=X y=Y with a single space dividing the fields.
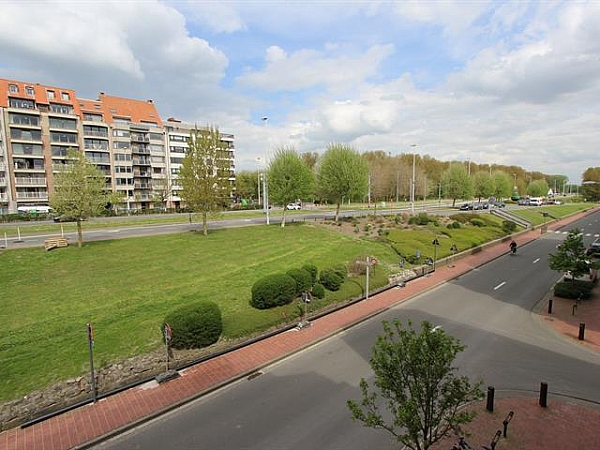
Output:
x=77 y=428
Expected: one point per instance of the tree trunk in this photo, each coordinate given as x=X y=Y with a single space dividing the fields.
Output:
x=337 y=211
x=204 y=223
x=283 y=217
x=79 y=234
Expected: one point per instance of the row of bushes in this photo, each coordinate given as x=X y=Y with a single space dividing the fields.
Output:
x=576 y=290
x=282 y=288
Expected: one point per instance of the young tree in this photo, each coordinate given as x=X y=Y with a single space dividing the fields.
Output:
x=205 y=172
x=342 y=174
x=570 y=256
x=246 y=184
x=162 y=191
x=538 y=188
x=415 y=379
x=503 y=184
x=590 y=187
x=80 y=191
x=457 y=183
x=483 y=186
x=289 y=178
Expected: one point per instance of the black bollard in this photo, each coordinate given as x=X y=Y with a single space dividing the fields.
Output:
x=574 y=309
x=550 y=306
x=543 y=394
x=490 y=399
x=581 y=331
x=506 y=421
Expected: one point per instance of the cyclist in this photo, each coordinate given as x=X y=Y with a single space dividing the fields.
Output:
x=513 y=247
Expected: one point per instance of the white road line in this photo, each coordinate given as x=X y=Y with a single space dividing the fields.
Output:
x=536 y=260
x=500 y=285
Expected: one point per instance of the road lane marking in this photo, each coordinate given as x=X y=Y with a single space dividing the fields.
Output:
x=500 y=285
x=536 y=260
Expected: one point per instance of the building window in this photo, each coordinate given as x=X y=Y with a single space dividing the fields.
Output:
x=20 y=103
x=92 y=117
x=28 y=135
x=123 y=169
x=121 y=133
x=122 y=157
x=65 y=96
x=24 y=119
x=13 y=88
x=156 y=136
x=27 y=149
x=29 y=90
x=176 y=138
x=120 y=145
x=50 y=94
x=61 y=109
x=63 y=137
x=57 y=150
x=67 y=124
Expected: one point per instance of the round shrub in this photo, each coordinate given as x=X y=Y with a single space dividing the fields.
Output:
x=303 y=279
x=509 y=226
x=314 y=272
x=341 y=270
x=273 y=290
x=454 y=225
x=578 y=289
x=330 y=279
x=477 y=222
x=318 y=291
x=196 y=325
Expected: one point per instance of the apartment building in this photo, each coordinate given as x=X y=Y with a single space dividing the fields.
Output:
x=125 y=138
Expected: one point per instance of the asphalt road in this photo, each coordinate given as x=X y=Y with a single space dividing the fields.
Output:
x=300 y=403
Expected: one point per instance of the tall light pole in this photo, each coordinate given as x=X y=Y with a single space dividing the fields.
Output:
x=412 y=183
x=265 y=184
x=259 y=178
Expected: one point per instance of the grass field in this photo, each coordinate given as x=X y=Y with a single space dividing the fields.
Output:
x=126 y=287
x=534 y=214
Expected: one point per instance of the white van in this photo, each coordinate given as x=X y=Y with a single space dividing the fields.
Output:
x=536 y=201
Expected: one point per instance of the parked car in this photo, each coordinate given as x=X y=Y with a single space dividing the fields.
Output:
x=466 y=207
x=594 y=248
x=295 y=206
x=498 y=205
x=63 y=218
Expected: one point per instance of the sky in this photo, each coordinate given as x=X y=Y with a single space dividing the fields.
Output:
x=493 y=82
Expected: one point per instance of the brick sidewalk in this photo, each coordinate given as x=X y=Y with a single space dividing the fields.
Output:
x=109 y=416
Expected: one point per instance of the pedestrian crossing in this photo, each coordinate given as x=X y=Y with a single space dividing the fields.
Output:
x=586 y=234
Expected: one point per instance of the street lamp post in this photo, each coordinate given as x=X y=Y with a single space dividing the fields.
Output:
x=435 y=243
x=265 y=184
x=412 y=183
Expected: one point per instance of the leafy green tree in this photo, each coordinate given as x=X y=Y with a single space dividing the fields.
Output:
x=205 y=172
x=590 y=188
x=503 y=184
x=457 y=183
x=570 y=256
x=246 y=184
x=483 y=186
x=342 y=174
x=162 y=191
x=80 y=191
x=538 y=188
x=417 y=384
x=289 y=178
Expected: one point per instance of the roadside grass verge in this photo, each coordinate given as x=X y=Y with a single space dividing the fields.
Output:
x=535 y=217
x=126 y=287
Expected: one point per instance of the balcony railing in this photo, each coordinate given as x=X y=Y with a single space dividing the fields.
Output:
x=142 y=186
x=32 y=196
x=142 y=174
x=141 y=162
x=3 y=197
x=2 y=166
x=2 y=181
x=30 y=181
x=100 y=147
x=97 y=133
x=139 y=139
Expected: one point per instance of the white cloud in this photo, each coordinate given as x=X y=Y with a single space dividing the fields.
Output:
x=306 y=69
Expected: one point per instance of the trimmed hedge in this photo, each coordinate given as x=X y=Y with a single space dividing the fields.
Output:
x=477 y=222
x=568 y=289
x=509 y=226
x=303 y=279
x=331 y=279
x=273 y=290
x=195 y=326
x=314 y=272
x=318 y=291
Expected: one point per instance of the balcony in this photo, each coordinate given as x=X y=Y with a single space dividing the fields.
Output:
x=30 y=181
x=3 y=197
x=140 y=149
x=42 y=196
x=144 y=186
x=140 y=139
x=96 y=133
x=100 y=147
x=138 y=174
x=97 y=160
x=2 y=166
x=141 y=162
x=2 y=181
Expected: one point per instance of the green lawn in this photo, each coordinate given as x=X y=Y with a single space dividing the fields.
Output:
x=126 y=287
x=534 y=214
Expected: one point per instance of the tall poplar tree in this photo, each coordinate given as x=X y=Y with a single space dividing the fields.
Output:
x=205 y=172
